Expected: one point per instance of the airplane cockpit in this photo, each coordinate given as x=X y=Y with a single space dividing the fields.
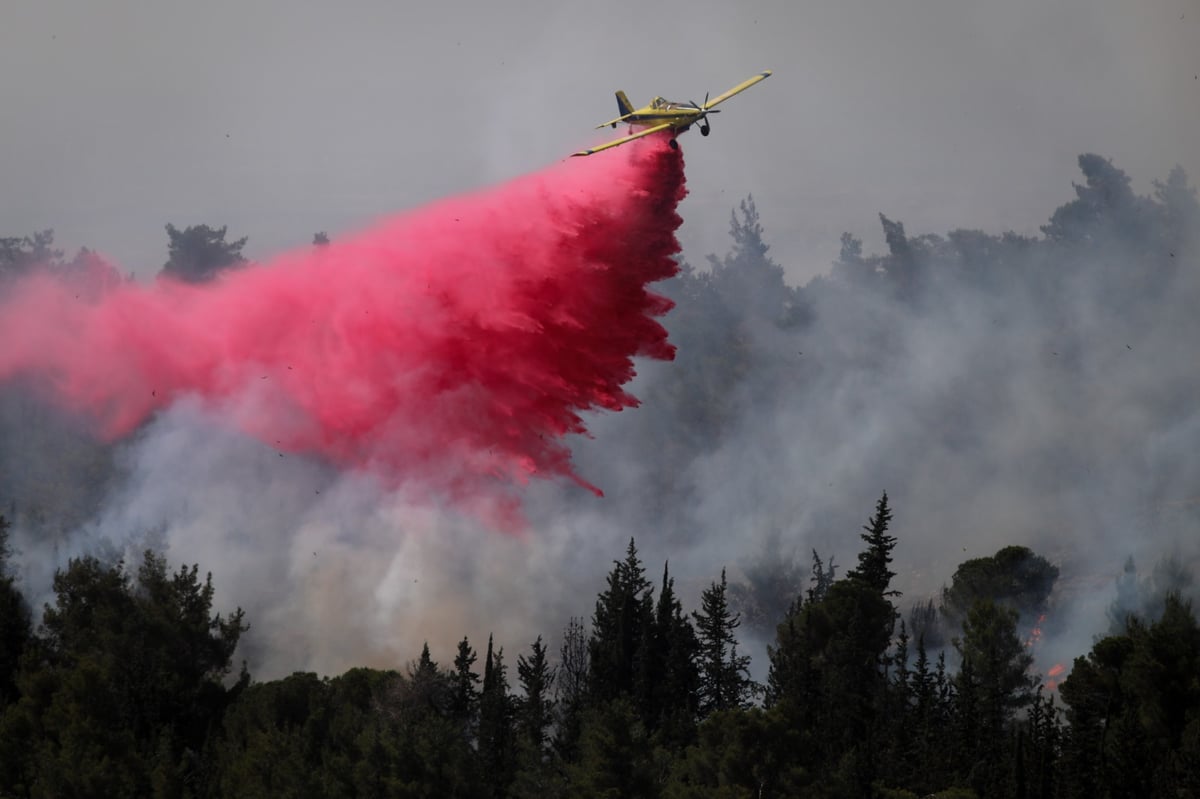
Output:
x=658 y=103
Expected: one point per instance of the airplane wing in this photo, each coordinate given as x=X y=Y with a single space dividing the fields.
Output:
x=741 y=87
x=613 y=122
x=625 y=140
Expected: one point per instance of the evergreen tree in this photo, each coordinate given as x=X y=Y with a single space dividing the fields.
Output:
x=747 y=278
x=536 y=678
x=826 y=678
x=874 y=561
x=427 y=690
x=570 y=688
x=496 y=753
x=724 y=674
x=198 y=253
x=822 y=578
x=21 y=254
x=534 y=717
x=464 y=690
x=1014 y=577
x=666 y=683
x=624 y=611
x=1105 y=208
x=993 y=682
x=617 y=757
x=1133 y=705
x=16 y=630
x=123 y=686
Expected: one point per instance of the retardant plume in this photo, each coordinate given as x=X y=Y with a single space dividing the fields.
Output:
x=451 y=348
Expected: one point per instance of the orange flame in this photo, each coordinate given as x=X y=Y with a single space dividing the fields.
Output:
x=1035 y=635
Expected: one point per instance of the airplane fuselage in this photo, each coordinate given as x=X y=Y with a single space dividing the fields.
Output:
x=678 y=120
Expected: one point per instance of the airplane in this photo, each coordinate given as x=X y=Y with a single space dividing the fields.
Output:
x=663 y=114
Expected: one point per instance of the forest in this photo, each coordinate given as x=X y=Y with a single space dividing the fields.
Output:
x=132 y=679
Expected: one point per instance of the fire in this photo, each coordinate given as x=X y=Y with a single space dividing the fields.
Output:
x=1056 y=671
x=1035 y=635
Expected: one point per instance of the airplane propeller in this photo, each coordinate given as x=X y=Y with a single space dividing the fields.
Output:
x=705 y=125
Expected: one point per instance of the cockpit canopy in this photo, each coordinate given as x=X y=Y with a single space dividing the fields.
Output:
x=659 y=102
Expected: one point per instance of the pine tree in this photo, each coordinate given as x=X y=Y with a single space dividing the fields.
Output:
x=667 y=679
x=496 y=754
x=570 y=688
x=428 y=691
x=619 y=627
x=16 y=629
x=993 y=682
x=464 y=690
x=533 y=775
x=822 y=578
x=874 y=561
x=536 y=679
x=129 y=678
x=199 y=253
x=724 y=674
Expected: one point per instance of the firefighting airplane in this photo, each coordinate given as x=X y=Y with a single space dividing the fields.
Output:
x=663 y=114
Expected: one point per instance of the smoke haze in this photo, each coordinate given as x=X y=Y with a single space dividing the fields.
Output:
x=1002 y=390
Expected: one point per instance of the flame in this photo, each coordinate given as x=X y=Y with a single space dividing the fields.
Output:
x=1035 y=635
x=1056 y=671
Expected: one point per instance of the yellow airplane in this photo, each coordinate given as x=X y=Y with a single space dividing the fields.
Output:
x=663 y=114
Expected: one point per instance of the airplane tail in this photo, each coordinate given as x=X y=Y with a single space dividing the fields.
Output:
x=623 y=104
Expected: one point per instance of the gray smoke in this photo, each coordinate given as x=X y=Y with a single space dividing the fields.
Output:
x=1044 y=399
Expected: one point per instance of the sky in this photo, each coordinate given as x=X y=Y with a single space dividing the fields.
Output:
x=281 y=119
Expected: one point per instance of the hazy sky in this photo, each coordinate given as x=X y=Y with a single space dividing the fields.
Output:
x=281 y=119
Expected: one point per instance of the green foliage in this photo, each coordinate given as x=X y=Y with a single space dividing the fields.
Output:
x=464 y=689
x=21 y=254
x=747 y=278
x=874 y=561
x=667 y=676
x=570 y=688
x=1014 y=577
x=534 y=716
x=826 y=678
x=739 y=755
x=623 y=615
x=822 y=577
x=124 y=683
x=1133 y=704
x=198 y=253
x=992 y=684
x=1104 y=205
x=496 y=741
x=16 y=630
x=617 y=758
x=724 y=674
x=829 y=674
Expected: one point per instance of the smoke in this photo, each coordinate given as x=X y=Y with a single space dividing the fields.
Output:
x=451 y=348
x=1002 y=390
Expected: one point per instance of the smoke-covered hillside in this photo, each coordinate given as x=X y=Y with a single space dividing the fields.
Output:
x=1002 y=389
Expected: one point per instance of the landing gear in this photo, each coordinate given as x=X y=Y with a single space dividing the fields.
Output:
x=674 y=144
x=705 y=129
